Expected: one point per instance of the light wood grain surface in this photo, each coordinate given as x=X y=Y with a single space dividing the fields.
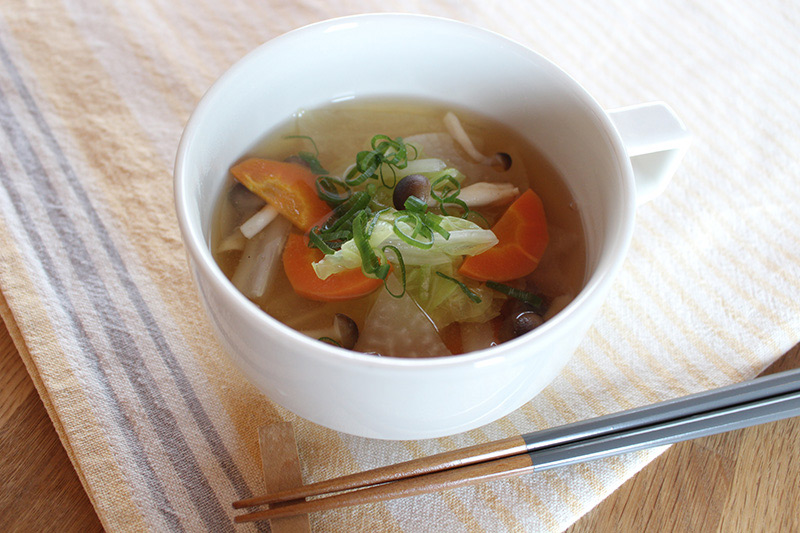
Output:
x=744 y=481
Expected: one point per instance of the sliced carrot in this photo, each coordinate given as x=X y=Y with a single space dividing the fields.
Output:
x=522 y=235
x=288 y=187
x=297 y=260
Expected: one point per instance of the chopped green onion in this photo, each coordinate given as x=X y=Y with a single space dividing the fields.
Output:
x=314 y=239
x=360 y=200
x=370 y=263
x=416 y=153
x=482 y=219
x=471 y=295
x=386 y=150
x=415 y=204
x=374 y=221
x=402 y=264
x=311 y=159
x=459 y=202
x=518 y=294
x=313 y=162
x=328 y=190
x=434 y=222
x=341 y=235
x=330 y=341
x=446 y=193
x=419 y=229
x=394 y=178
x=306 y=137
x=383 y=144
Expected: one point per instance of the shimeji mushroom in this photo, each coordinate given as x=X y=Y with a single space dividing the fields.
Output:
x=500 y=161
x=343 y=332
x=475 y=195
x=411 y=185
x=484 y=193
x=523 y=317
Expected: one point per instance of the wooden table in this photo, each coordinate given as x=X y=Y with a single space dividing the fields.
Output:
x=743 y=481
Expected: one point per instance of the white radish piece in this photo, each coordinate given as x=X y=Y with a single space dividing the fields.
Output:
x=476 y=336
x=234 y=241
x=261 y=258
x=398 y=327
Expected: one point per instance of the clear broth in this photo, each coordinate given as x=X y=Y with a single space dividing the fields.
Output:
x=340 y=130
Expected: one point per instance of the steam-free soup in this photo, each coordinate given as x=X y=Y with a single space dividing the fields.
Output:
x=400 y=228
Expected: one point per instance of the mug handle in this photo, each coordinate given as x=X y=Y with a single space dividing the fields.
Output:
x=656 y=140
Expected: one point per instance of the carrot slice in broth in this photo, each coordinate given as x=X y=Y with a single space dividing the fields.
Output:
x=288 y=187
x=522 y=235
x=297 y=262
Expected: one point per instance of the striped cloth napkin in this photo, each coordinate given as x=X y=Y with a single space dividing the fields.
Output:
x=159 y=425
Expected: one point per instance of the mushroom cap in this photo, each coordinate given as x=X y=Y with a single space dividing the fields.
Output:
x=500 y=161
x=411 y=185
x=346 y=330
x=526 y=321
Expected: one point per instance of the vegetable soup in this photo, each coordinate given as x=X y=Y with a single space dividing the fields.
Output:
x=400 y=228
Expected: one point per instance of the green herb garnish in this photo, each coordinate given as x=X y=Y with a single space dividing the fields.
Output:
x=369 y=163
x=370 y=263
x=518 y=294
x=332 y=190
x=315 y=239
x=402 y=265
x=445 y=190
x=419 y=228
x=312 y=160
x=471 y=295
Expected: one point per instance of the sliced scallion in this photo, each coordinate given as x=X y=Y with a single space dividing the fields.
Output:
x=332 y=190
x=518 y=294
x=385 y=150
x=416 y=205
x=312 y=160
x=402 y=265
x=370 y=263
x=360 y=200
x=413 y=220
x=434 y=222
x=466 y=290
x=316 y=240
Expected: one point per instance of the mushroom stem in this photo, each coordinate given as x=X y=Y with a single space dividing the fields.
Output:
x=485 y=193
x=456 y=130
x=500 y=161
x=343 y=331
x=259 y=221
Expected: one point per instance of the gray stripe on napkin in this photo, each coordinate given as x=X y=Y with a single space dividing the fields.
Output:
x=92 y=360
x=201 y=417
x=125 y=349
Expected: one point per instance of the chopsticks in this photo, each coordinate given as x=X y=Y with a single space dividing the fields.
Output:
x=737 y=406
